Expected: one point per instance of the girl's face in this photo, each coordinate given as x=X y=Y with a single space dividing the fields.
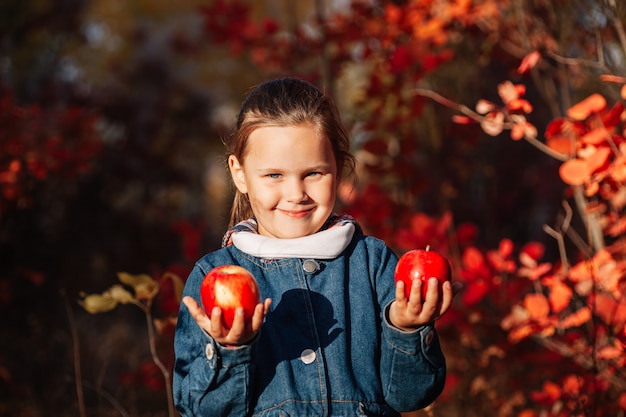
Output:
x=290 y=176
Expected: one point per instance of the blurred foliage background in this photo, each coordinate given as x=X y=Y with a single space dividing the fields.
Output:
x=111 y=114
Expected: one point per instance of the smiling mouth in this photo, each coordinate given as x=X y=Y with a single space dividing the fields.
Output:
x=296 y=213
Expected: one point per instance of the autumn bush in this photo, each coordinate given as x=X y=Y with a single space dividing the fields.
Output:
x=491 y=130
x=540 y=328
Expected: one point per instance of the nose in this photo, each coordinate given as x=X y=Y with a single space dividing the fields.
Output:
x=295 y=191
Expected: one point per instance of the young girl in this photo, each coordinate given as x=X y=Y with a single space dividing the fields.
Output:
x=333 y=335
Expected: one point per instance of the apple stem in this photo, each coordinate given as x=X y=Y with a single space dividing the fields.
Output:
x=427 y=248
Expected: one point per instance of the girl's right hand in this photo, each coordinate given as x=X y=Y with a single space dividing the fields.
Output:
x=241 y=332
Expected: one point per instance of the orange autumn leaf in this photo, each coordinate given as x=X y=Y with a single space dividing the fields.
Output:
x=595 y=136
x=609 y=78
x=577 y=318
x=610 y=352
x=572 y=384
x=574 y=171
x=561 y=144
x=610 y=311
x=560 y=296
x=583 y=109
x=599 y=159
x=520 y=333
x=618 y=173
x=537 y=306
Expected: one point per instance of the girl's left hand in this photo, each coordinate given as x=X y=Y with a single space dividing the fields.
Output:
x=409 y=314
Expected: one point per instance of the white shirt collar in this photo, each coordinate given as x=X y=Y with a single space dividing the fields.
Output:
x=327 y=244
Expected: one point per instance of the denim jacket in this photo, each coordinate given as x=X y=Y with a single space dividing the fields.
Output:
x=326 y=347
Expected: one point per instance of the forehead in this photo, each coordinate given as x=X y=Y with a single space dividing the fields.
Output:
x=286 y=144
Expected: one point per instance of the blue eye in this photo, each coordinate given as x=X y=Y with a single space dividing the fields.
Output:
x=274 y=176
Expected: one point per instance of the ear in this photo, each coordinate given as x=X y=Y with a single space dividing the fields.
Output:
x=237 y=174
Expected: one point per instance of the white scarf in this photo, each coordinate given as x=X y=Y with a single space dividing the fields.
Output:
x=325 y=244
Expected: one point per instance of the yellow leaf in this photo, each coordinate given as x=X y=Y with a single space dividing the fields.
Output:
x=144 y=286
x=98 y=303
x=119 y=294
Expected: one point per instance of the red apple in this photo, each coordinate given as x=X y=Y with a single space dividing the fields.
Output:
x=229 y=287
x=422 y=264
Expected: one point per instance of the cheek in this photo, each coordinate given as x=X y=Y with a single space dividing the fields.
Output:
x=265 y=197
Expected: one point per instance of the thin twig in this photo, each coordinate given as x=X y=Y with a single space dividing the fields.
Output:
x=558 y=236
x=78 y=378
x=480 y=118
x=155 y=358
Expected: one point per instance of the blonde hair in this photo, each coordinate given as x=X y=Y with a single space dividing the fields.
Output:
x=286 y=102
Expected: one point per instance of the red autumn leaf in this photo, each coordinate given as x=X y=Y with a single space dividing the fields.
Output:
x=466 y=233
x=422 y=225
x=506 y=247
x=532 y=250
x=565 y=127
x=583 y=109
x=462 y=120
x=614 y=116
x=574 y=171
x=400 y=60
x=473 y=260
x=537 y=306
x=529 y=61
x=474 y=292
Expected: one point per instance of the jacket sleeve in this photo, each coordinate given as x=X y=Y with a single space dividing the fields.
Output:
x=413 y=368
x=209 y=379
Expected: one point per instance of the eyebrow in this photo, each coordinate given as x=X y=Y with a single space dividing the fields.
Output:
x=310 y=168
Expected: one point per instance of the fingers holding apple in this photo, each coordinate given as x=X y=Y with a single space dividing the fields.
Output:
x=421 y=265
x=232 y=311
x=423 y=288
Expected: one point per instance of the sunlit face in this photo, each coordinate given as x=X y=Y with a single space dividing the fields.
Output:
x=290 y=176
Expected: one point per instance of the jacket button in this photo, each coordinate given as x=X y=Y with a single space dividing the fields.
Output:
x=308 y=356
x=428 y=339
x=209 y=351
x=310 y=266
